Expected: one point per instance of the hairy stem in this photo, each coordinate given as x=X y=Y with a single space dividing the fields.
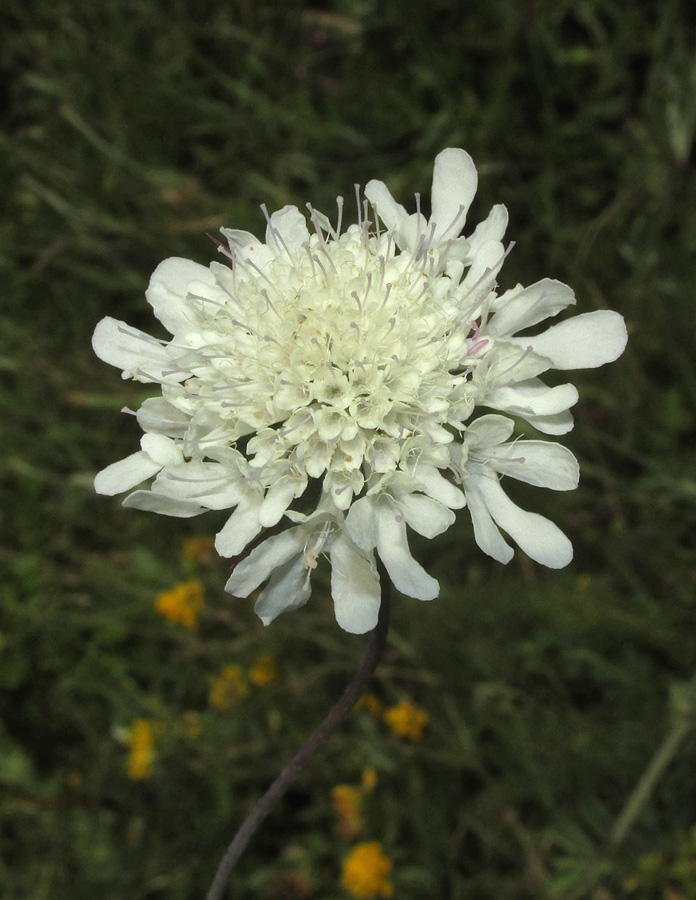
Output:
x=266 y=803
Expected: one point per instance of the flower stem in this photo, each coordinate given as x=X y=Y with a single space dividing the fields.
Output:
x=639 y=797
x=266 y=803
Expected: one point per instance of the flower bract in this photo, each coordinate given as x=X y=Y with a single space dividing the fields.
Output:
x=375 y=368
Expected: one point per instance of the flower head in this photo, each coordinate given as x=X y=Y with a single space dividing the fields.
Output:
x=141 y=739
x=357 y=361
x=407 y=720
x=365 y=871
x=227 y=688
x=263 y=670
x=181 y=604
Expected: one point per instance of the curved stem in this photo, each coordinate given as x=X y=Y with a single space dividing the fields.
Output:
x=266 y=803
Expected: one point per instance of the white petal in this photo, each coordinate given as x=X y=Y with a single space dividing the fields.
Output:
x=151 y=501
x=125 y=474
x=129 y=349
x=241 y=527
x=361 y=523
x=488 y=431
x=523 y=308
x=162 y=449
x=168 y=287
x=454 y=184
x=278 y=497
x=206 y=484
x=246 y=246
x=560 y=423
x=288 y=589
x=540 y=463
x=354 y=587
x=407 y=575
x=492 y=228
x=583 y=342
x=389 y=211
x=159 y=416
x=538 y=537
x=431 y=482
x=488 y=261
x=287 y=230
x=425 y=515
x=533 y=397
x=257 y=567
x=412 y=229
x=486 y=533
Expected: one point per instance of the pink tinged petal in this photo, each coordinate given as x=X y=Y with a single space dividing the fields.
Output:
x=583 y=342
x=540 y=539
x=262 y=561
x=361 y=523
x=159 y=416
x=540 y=463
x=425 y=515
x=354 y=587
x=168 y=289
x=241 y=527
x=288 y=589
x=533 y=397
x=407 y=575
x=125 y=474
x=486 y=533
x=454 y=185
x=518 y=309
x=488 y=431
x=130 y=349
x=287 y=231
x=152 y=501
x=389 y=211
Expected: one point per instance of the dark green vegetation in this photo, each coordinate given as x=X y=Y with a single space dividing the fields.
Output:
x=130 y=128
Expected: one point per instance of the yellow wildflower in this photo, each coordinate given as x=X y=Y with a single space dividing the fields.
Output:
x=200 y=549
x=227 y=688
x=142 y=749
x=365 y=870
x=182 y=604
x=369 y=702
x=407 y=720
x=347 y=806
x=263 y=671
x=369 y=779
x=192 y=724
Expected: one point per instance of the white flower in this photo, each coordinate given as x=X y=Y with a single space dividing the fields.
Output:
x=355 y=360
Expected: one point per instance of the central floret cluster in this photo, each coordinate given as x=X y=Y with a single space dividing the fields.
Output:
x=356 y=358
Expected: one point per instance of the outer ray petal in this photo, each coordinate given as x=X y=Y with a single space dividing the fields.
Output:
x=454 y=185
x=583 y=342
x=168 y=289
x=354 y=587
x=540 y=539
x=407 y=575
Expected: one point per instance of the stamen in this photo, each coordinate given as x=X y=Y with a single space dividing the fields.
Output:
x=339 y=204
x=358 y=204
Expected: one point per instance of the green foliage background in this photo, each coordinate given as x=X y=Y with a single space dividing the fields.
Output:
x=129 y=129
